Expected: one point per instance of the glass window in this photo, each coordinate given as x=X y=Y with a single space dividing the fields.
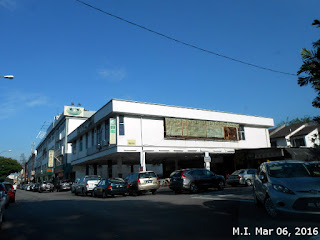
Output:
x=121 y=125
x=251 y=171
x=241 y=133
x=80 y=144
x=87 y=140
x=288 y=170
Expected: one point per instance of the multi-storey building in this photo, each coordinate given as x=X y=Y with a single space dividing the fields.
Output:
x=127 y=136
x=51 y=160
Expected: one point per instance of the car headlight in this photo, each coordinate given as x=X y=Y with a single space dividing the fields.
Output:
x=282 y=189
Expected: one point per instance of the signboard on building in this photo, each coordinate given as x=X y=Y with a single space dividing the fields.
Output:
x=113 y=131
x=187 y=128
x=73 y=111
x=50 y=158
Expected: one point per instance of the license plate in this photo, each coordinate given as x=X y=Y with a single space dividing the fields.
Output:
x=314 y=204
x=148 y=181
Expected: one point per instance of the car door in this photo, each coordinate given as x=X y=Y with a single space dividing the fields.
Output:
x=100 y=187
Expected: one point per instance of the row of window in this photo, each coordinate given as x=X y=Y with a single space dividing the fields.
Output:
x=97 y=136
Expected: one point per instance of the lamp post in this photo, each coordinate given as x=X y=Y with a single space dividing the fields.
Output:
x=8 y=76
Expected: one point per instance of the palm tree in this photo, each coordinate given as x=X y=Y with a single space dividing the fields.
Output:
x=311 y=67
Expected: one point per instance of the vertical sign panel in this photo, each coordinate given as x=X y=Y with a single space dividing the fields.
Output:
x=113 y=131
x=50 y=158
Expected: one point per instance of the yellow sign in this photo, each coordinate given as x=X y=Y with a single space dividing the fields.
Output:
x=132 y=142
x=51 y=157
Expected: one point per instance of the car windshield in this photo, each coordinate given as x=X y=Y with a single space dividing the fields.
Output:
x=288 y=170
x=314 y=168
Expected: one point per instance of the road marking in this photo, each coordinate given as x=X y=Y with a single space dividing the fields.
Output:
x=223 y=199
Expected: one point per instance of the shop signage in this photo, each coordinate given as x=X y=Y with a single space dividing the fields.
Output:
x=187 y=128
x=113 y=131
x=73 y=111
x=50 y=158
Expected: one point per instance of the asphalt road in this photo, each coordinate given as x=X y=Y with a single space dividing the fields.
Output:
x=228 y=214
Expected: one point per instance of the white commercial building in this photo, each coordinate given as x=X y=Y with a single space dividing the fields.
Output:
x=127 y=136
x=51 y=159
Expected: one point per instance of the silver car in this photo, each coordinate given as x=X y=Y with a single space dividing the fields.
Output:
x=241 y=177
x=287 y=186
x=142 y=182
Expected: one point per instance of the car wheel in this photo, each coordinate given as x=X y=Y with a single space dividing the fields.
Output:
x=194 y=188
x=92 y=194
x=220 y=185
x=248 y=182
x=154 y=192
x=177 y=191
x=270 y=207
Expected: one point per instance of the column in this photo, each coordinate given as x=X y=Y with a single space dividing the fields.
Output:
x=143 y=161
x=119 y=165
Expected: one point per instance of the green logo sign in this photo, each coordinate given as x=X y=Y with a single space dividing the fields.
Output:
x=74 y=111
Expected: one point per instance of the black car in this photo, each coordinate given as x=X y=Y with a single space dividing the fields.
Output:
x=35 y=187
x=110 y=187
x=63 y=185
x=194 y=180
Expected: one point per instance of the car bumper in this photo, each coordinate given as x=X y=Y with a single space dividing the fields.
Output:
x=296 y=203
x=148 y=187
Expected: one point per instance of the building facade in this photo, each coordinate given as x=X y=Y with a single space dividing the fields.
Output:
x=127 y=136
x=51 y=160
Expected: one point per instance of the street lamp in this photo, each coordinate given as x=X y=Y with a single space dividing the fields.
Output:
x=6 y=151
x=8 y=76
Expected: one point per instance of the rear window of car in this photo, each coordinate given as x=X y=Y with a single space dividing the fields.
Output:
x=116 y=180
x=251 y=171
x=175 y=174
x=147 y=175
x=238 y=172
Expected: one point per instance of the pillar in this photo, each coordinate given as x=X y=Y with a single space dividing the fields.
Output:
x=143 y=161
x=119 y=165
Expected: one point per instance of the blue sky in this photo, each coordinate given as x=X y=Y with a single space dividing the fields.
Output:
x=61 y=51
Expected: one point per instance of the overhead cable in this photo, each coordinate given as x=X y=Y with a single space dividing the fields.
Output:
x=186 y=44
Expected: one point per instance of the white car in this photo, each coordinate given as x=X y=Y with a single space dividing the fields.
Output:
x=287 y=186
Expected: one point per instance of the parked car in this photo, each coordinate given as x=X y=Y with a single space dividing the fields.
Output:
x=142 y=182
x=5 y=195
x=29 y=187
x=75 y=185
x=63 y=185
x=286 y=186
x=10 y=190
x=45 y=187
x=36 y=187
x=241 y=177
x=87 y=184
x=110 y=187
x=3 y=202
x=193 y=180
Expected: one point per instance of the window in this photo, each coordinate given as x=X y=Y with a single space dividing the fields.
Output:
x=99 y=135
x=241 y=133
x=92 y=137
x=298 y=142
x=74 y=147
x=80 y=145
x=121 y=125
x=87 y=138
x=107 y=130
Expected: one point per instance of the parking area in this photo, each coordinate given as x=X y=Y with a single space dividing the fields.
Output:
x=225 y=214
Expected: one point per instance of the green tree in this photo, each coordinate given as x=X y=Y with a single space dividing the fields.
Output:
x=8 y=166
x=288 y=122
x=311 y=68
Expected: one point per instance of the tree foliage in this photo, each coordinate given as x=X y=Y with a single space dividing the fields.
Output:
x=287 y=122
x=8 y=166
x=311 y=69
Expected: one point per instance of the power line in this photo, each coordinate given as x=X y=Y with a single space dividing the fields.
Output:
x=186 y=44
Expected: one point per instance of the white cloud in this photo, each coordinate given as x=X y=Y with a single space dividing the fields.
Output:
x=13 y=102
x=113 y=75
x=8 y=4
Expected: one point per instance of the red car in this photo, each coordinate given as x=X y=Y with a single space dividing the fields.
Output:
x=11 y=191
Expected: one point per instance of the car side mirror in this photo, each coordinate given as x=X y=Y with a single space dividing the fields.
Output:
x=261 y=177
